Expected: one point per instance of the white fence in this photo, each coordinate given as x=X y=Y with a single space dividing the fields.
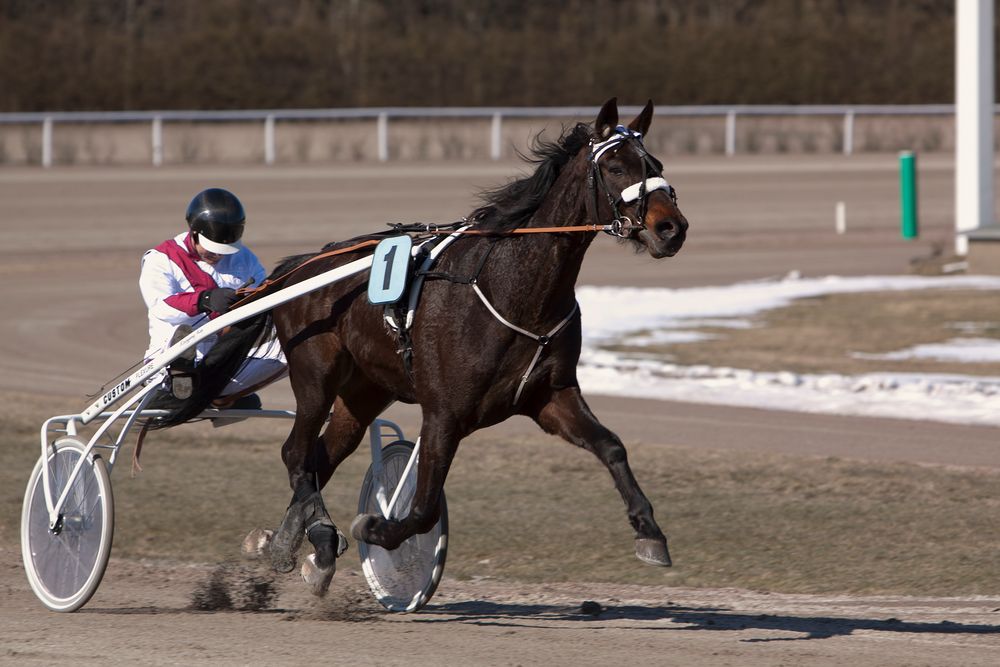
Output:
x=382 y=116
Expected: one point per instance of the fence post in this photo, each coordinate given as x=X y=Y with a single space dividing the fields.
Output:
x=383 y=137
x=157 y=141
x=495 y=137
x=47 y=142
x=908 y=193
x=269 y=139
x=731 y=132
x=849 y=132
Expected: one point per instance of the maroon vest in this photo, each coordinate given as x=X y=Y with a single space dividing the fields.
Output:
x=187 y=259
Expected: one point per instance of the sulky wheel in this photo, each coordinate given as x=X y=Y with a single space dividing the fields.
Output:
x=65 y=564
x=405 y=578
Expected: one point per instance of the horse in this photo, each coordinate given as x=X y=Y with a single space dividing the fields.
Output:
x=471 y=338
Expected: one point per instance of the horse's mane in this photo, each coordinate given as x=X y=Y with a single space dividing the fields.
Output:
x=512 y=205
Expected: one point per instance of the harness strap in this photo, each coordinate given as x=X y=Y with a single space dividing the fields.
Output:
x=471 y=280
x=542 y=340
x=137 y=452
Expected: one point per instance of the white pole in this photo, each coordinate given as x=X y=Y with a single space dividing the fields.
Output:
x=157 y=141
x=269 y=139
x=973 y=119
x=495 y=137
x=849 y=132
x=731 y=133
x=47 y=142
x=383 y=137
x=841 y=217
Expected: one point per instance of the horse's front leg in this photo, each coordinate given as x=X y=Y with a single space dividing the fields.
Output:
x=567 y=415
x=438 y=443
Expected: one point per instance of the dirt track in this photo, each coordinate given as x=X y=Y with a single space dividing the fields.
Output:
x=142 y=616
x=69 y=247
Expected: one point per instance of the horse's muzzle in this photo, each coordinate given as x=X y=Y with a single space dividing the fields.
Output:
x=666 y=236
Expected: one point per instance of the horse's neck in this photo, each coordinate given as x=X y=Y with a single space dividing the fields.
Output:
x=553 y=261
x=566 y=206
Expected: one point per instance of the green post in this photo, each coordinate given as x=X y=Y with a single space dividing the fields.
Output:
x=908 y=193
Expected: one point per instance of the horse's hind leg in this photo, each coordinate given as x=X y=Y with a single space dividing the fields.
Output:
x=312 y=466
x=355 y=408
x=306 y=503
x=568 y=415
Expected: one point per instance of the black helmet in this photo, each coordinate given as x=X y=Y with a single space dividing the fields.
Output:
x=217 y=216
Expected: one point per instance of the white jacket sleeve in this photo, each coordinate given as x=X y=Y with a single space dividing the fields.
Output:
x=157 y=282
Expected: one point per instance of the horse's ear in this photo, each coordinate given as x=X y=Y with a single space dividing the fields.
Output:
x=607 y=119
x=641 y=122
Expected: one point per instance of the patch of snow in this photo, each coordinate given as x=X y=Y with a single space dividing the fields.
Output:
x=658 y=314
x=963 y=350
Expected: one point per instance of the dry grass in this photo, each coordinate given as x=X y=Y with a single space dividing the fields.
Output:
x=819 y=334
x=537 y=509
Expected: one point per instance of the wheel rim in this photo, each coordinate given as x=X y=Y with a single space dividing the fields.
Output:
x=405 y=578
x=65 y=566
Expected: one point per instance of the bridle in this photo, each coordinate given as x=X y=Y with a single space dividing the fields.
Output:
x=621 y=225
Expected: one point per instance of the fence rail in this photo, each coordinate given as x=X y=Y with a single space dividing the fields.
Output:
x=382 y=116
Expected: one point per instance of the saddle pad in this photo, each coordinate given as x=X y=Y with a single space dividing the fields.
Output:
x=390 y=270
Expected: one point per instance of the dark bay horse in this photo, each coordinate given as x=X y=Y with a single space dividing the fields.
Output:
x=467 y=365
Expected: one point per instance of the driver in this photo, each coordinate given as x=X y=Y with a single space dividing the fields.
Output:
x=192 y=278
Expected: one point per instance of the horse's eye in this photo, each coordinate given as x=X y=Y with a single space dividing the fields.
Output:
x=616 y=171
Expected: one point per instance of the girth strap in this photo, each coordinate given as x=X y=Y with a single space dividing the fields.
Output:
x=542 y=340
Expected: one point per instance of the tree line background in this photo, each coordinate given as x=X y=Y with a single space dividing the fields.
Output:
x=256 y=54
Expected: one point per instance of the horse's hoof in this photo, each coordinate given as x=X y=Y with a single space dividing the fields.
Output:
x=361 y=525
x=282 y=556
x=317 y=577
x=256 y=542
x=652 y=551
x=282 y=564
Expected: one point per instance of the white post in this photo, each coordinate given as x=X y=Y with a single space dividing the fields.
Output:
x=157 y=141
x=495 y=137
x=383 y=137
x=849 y=132
x=47 y=142
x=731 y=133
x=269 y=139
x=973 y=119
x=841 y=217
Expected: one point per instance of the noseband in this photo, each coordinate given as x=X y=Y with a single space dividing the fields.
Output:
x=621 y=225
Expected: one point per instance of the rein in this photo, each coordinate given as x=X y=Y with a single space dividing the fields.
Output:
x=616 y=228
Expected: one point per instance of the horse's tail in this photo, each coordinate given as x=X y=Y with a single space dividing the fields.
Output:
x=218 y=367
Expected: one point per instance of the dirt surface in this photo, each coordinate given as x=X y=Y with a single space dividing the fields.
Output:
x=69 y=246
x=143 y=615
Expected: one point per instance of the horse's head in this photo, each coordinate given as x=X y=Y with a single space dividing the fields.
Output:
x=627 y=186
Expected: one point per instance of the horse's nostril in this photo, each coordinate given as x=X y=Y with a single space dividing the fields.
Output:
x=665 y=226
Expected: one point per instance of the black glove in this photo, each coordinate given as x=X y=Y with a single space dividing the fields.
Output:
x=216 y=300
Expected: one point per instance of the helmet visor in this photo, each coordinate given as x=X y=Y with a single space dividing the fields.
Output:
x=219 y=248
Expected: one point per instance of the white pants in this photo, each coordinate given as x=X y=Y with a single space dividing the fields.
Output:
x=265 y=363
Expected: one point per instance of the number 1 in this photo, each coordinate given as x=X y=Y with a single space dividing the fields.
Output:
x=387 y=277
